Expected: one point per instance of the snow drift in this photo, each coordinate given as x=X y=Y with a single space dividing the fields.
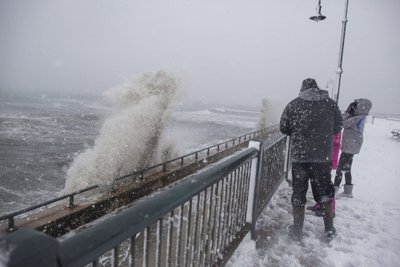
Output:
x=367 y=225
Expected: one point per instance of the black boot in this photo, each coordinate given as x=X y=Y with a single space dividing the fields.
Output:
x=296 y=230
x=330 y=231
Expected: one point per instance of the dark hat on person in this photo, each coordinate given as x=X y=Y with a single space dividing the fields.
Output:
x=307 y=84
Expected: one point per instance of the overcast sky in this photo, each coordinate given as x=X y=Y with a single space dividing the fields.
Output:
x=228 y=51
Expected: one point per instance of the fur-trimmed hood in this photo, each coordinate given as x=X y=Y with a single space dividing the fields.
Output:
x=313 y=94
x=363 y=106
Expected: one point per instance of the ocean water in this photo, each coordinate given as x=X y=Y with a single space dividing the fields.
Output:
x=42 y=139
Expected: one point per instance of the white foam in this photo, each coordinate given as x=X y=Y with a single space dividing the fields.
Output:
x=267 y=117
x=132 y=137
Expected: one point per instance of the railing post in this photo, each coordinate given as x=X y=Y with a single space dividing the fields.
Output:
x=11 y=224
x=71 y=203
x=254 y=177
x=287 y=162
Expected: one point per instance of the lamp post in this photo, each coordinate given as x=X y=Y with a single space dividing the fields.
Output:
x=318 y=16
x=339 y=70
x=331 y=82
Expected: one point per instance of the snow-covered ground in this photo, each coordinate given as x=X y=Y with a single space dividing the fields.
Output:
x=368 y=225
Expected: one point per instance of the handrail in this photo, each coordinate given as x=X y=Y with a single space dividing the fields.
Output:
x=80 y=249
x=245 y=137
x=51 y=201
x=181 y=158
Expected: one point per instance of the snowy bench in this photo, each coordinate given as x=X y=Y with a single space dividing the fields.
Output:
x=396 y=133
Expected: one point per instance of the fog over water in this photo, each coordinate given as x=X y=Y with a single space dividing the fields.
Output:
x=231 y=52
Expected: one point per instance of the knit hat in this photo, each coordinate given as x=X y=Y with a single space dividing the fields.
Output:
x=307 y=84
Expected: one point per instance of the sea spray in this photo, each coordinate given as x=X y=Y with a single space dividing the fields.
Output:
x=132 y=137
x=262 y=121
x=268 y=116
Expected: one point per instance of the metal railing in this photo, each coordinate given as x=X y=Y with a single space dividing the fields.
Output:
x=10 y=216
x=272 y=171
x=199 y=221
x=196 y=155
x=140 y=174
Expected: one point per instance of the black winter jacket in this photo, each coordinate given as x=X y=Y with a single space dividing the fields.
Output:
x=311 y=120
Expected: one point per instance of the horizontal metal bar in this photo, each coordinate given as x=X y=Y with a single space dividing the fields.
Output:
x=51 y=201
x=184 y=156
x=274 y=142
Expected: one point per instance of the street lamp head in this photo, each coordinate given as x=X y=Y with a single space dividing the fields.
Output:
x=318 y=16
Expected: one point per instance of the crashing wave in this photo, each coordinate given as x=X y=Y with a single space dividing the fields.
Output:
x=132 y=137
x=262 y=121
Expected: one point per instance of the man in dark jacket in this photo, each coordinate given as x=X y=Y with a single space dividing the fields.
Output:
x=310 y=120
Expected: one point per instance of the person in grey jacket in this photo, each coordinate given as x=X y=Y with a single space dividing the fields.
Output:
x=310 y=120
x=352 y=140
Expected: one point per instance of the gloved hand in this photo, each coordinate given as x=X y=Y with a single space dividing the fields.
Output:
x=351 y=108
